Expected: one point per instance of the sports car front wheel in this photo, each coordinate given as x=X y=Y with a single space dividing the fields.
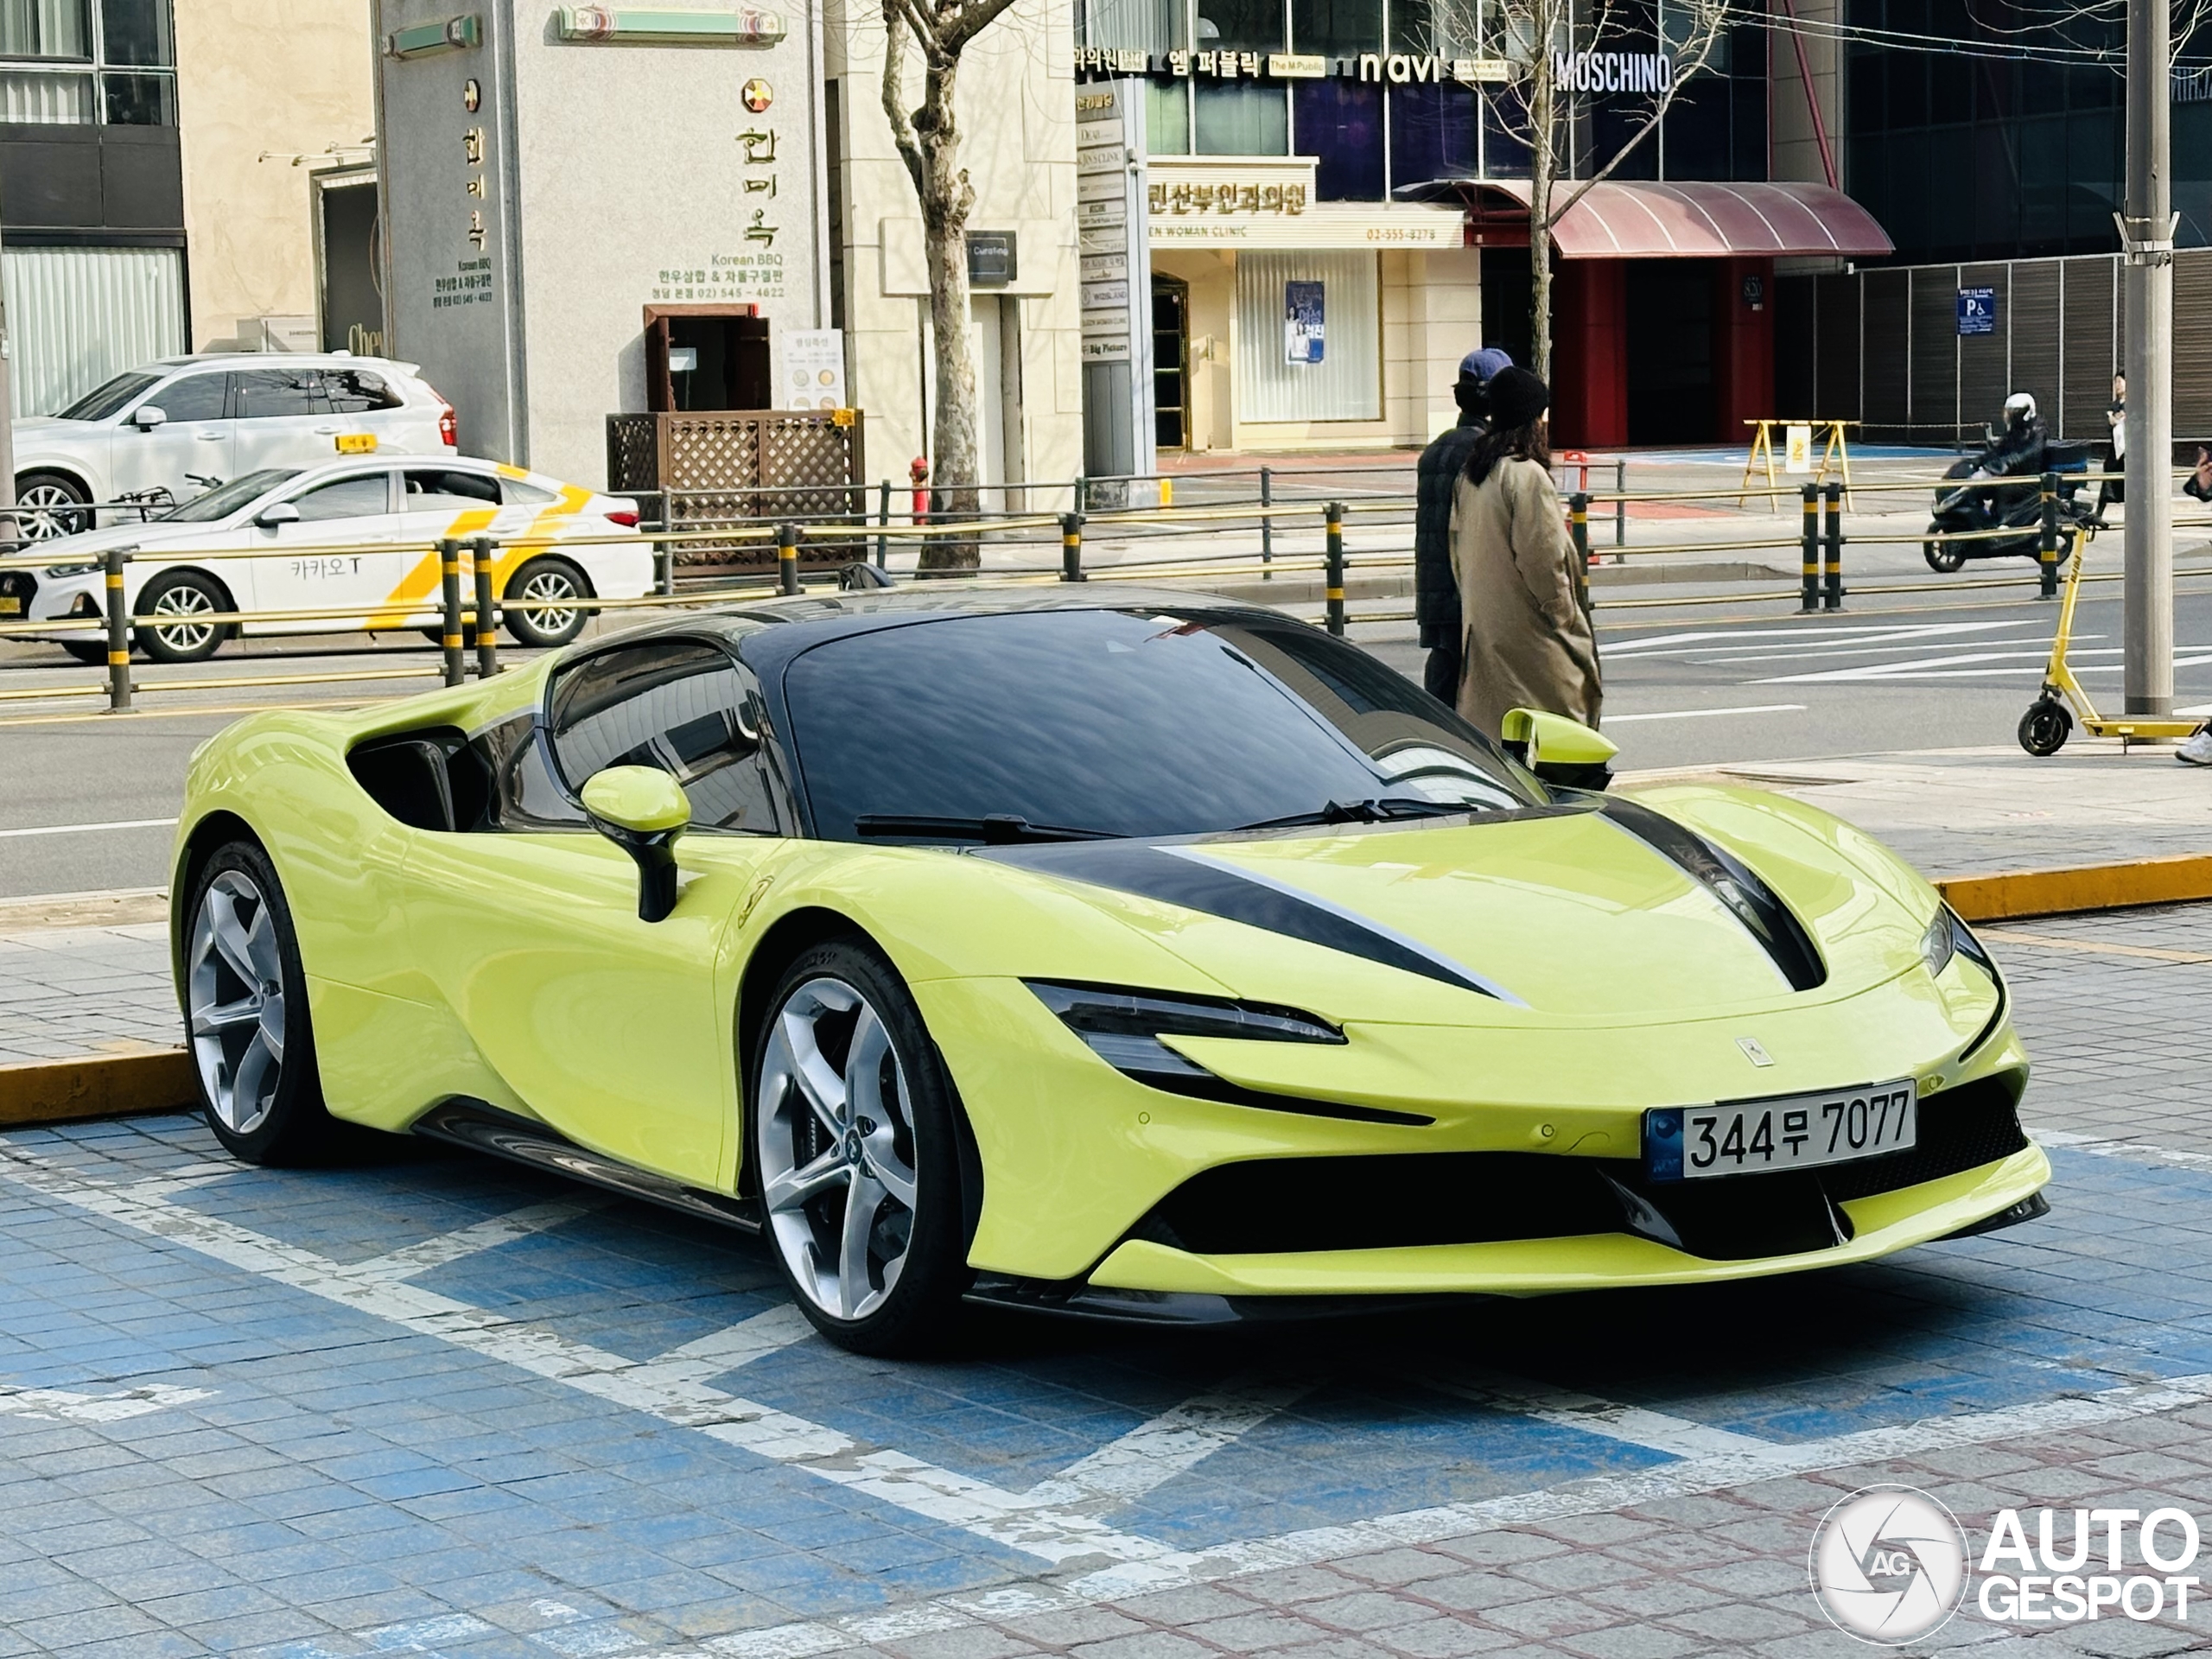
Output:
x=246 y=1013
x=854 y=1149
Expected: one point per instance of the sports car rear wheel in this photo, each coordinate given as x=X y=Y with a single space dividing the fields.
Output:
x=246 y=1013
x=854 y=1146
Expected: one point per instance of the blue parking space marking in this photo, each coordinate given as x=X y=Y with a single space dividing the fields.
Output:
x=386 y=1472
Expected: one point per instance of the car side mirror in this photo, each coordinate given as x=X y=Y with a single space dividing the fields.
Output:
x=146 y=416
x=642 y=809
x=1557 y=749
x=275 y=513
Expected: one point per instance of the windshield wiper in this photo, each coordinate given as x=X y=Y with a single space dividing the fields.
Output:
x=1382 y=810
x=995 y=828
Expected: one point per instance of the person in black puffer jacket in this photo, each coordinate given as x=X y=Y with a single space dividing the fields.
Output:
x=1436 y=594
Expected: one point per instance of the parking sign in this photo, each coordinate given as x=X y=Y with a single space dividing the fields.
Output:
x=1977 y=311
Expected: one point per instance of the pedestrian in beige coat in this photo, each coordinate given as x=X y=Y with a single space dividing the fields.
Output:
x=1523 y=604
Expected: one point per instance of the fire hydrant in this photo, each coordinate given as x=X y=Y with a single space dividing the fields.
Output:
x=917 y=473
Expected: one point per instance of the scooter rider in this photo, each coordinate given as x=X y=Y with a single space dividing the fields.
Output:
x=2018 y=448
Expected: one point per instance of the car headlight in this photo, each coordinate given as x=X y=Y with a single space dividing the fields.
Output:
x=70 y=569
x=1123 y=1028
x=1948 y=936
x=1940 y=943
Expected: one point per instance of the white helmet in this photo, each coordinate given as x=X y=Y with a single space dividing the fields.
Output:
x=2019 y=408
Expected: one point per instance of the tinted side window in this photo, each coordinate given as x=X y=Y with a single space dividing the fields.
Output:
x=194 y=397
x=345 y=497
x=681 y=705
x=265 y=392
x=355 y=391
x=442 y=488
x=518 y=493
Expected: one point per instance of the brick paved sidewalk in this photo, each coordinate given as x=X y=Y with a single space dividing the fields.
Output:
x=433 y=1404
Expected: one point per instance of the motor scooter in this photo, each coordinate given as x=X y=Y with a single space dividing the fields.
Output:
x=1976 y=499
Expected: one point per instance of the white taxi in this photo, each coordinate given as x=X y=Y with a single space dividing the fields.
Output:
x=356 y=538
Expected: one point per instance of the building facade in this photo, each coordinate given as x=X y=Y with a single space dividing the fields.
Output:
x=141 y=216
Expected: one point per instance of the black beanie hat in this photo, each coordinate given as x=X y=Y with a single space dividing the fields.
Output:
x=1517 y=398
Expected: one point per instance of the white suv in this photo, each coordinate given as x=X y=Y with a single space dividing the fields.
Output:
x=166 y=432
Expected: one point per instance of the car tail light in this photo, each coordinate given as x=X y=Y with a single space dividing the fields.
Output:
x=449 y=424
x=627 y=520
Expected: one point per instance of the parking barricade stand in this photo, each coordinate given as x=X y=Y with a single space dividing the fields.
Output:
x=487 y=610
x=1578 y=520
x=1832 y=541
x=787 y=557
x=1333 y=580
x=1808 y=565
x=449 y=604
x=118 y=630
x=2047 y=540
x=1072 y=547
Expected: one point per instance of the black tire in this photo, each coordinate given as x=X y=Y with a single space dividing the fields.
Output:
x=91 y=653
x=187 y=593
x=45 y=507
x=545 y=579
x=2045 y=728
x=899 y=1305
x=1943 y=557
x=287 y=1124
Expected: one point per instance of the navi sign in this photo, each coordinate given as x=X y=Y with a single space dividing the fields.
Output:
x=1977 y=311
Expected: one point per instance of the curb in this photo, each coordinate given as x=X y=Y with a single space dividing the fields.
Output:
x=96 y=1085
x=2011 y=893
x=159 y=1080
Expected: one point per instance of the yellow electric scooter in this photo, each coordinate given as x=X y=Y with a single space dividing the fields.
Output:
x=2048 y=723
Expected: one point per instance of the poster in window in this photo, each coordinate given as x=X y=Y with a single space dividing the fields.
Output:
x=1302 y=322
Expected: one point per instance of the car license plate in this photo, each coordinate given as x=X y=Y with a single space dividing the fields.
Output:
x=1743 y=1137
x=11 y=606
x=356 y=443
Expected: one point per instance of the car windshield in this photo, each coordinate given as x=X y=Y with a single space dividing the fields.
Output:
x=1121 y=723
x=226 y=499
x=104 y=401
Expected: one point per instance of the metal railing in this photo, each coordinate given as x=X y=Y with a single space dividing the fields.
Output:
x=1280 y=532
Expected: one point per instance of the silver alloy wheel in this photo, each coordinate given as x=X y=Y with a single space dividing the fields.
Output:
x=837 y=1156
x=184 y=600
x=549 y=587
x=234 y=990
x=46 y=511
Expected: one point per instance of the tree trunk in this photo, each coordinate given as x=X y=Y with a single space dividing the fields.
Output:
x=946 y=200
x=1543 y=164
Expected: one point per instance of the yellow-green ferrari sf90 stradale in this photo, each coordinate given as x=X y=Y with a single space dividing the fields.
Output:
x=1142 y=956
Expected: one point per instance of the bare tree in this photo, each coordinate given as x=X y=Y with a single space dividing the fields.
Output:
x=1553 y=46
x=928 y=139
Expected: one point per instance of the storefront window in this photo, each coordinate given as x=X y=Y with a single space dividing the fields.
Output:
x=1239 y=25
x=45 y=29
x=1242 y=120
x=1166 y=117
x=132 y=35
x=136 y=32
x=1326 y=363
x=35 y=97
x=1433 y=135
x=1336 y=28
x=1142 y=25
x=1445 y=27
x=1340 y=122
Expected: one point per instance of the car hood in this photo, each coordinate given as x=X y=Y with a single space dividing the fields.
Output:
x=88 y=546
x=1572 y=915
x=32 y=428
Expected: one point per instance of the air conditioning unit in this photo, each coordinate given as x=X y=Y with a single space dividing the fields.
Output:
x=278 y=334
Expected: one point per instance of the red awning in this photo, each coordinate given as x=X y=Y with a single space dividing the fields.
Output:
x=1634 y=219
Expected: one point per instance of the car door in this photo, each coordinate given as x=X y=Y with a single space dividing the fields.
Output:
x=437 y=502
x=340 y=554
x=283 y=417
x=189 y=453
x=616 y=1032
